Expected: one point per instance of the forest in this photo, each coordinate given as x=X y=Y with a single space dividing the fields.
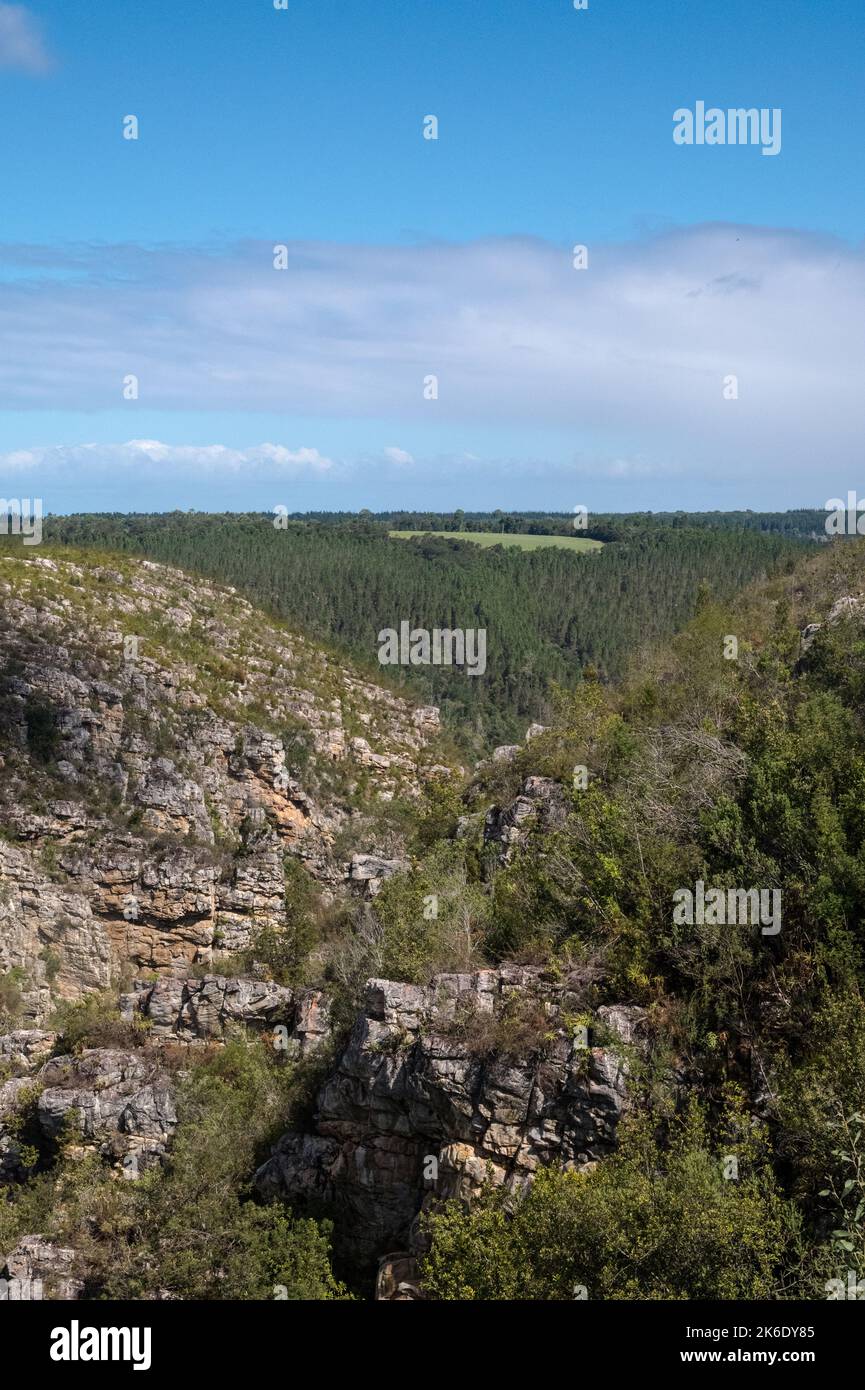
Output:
x=549 y=615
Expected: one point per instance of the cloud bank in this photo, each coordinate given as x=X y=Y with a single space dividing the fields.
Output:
x=640 y=346
x=143 y=458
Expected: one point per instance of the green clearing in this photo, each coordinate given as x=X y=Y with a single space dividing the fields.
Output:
x=488 y=538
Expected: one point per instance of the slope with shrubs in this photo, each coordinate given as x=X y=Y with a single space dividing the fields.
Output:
x=744 y=773
x=740 y=1171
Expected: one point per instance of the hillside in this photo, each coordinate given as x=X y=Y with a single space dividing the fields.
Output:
x=465 y=1020
x=548 y=614
x=166 y=749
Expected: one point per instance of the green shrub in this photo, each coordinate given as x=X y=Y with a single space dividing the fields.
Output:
x=43 y=737
x=190 y=1229
x=432 y=919
x=647 y=1223
x=12 y=984
x=94 y=1021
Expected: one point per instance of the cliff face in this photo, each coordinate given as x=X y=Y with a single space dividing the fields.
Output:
x=164 y=747
x=442 y=1088
x=438 y=1090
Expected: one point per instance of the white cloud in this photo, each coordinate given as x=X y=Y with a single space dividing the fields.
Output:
x=150 y=457
x=628 y=357
x=22 y=45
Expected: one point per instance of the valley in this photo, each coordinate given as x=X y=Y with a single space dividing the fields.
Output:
x=261 y=920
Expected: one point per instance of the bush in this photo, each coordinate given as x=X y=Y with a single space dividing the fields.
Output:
x=94 y=1021
x=432 y=919
x=11 y=995
x=43 y=738
x=518 y=1031
x=191 y=1229
x=647 y=1223
x=286 y=950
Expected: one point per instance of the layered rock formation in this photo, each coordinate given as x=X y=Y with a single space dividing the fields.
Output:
x=152 y=791
x=475 y=1078
x=118 y=1101
x=152 y=785
x=38 y=1269
x=213 y=1008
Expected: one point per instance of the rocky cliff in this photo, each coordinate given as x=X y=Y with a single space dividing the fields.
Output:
x=164 y=747
x=442 y=1088
x=438 y=1090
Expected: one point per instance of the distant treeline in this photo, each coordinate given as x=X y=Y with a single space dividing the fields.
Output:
x=808 y=523
x=548 y=614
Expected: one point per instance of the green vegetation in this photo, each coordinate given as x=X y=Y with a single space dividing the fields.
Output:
x=12 y=983
x=650 y=1222
x=549 y=613
x=42 y=734
x=742 y=773
x=191 y=1230
x=94 y=1021
x=488 y=538
x=286 y=952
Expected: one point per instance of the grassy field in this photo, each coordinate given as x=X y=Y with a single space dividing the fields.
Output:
x=488 y=538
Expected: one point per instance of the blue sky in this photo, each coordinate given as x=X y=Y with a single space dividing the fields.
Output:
x=409 y=257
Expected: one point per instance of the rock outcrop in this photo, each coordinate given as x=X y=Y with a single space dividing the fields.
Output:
x=214 y=1008
x=541 y=804
x=152 y=785
x=369 y=871
x=38 y=1269
x=847 y=606
x=475 y=1078
x=119 y=1101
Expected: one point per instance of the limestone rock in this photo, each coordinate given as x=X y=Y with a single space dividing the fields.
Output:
x=398 y=1279
x=541 y=803
x=214 y=1008
x=534 y=730
x=146 y=810
x=121 y=1102
x=371 y=870
x=25 y=1049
